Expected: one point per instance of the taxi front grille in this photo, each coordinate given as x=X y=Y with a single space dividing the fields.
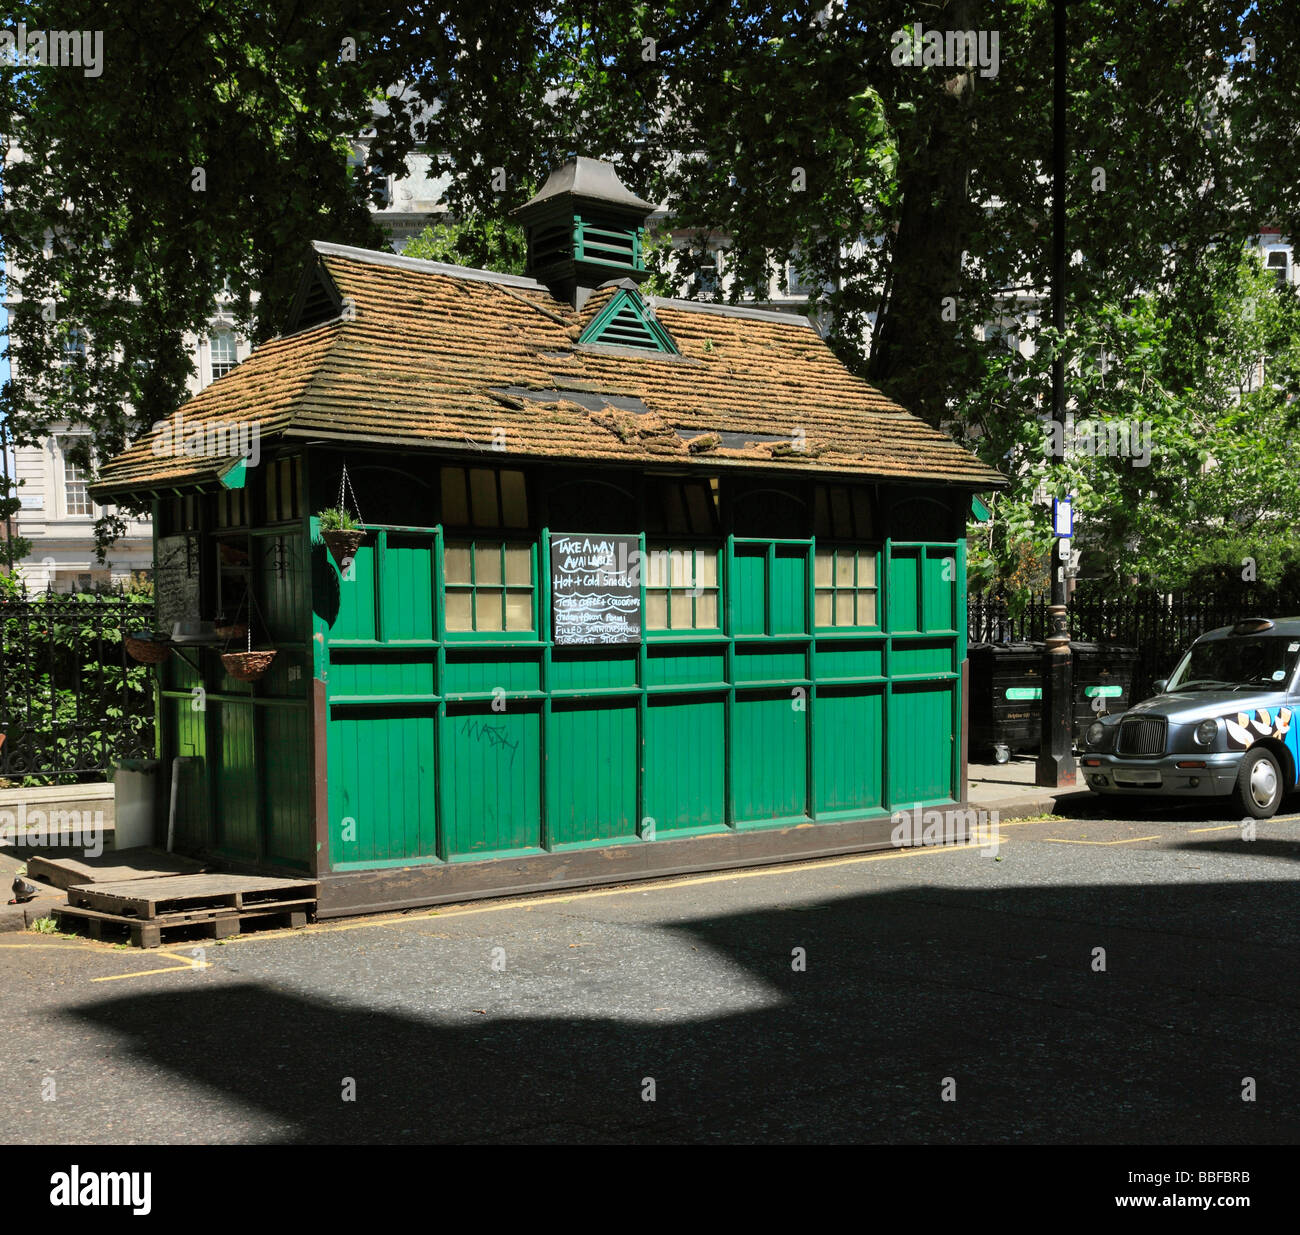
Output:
x=1144 y=735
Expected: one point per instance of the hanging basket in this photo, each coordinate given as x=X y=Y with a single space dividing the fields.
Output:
x=247 y=666
x=343 y=545
x=147 y=649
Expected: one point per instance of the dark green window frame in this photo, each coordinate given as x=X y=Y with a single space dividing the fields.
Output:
x=683 y=597
x=490 y=587
x=832 y=586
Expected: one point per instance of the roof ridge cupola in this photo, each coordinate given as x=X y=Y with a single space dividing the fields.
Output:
x=584 y=228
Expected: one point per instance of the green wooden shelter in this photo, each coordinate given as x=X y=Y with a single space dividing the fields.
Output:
x=647 y=585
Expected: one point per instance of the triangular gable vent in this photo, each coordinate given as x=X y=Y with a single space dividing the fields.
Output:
x=317 y=300
x=627 y=322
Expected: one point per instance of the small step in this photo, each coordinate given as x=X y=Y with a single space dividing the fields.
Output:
x=119 y=866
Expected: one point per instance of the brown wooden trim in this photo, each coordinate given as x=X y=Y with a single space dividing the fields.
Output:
x=409 y=887
x=320 y=857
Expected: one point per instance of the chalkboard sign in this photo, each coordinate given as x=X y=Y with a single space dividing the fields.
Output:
x=596 y=588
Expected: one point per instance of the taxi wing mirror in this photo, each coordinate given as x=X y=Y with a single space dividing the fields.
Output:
x=1160 y=685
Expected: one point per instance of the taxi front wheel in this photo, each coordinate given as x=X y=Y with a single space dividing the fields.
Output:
x=1259 y=784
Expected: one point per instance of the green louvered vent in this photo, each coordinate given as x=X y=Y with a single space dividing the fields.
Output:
x=609 y=244
x=626 y=322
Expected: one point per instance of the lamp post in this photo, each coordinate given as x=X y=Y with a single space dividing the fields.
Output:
x=1055 y=767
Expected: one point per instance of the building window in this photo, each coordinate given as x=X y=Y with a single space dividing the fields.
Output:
x=74 y=348
x=489 y=586
x=224 y=356
x=843 y=512
x=483 y=497
x=76 y=499
x=682 y=589
x=845 y=581
x=682 y=507
x=1278 y=261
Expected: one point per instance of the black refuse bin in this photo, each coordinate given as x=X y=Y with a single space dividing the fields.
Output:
x=1103 y=683
x=1006 y=697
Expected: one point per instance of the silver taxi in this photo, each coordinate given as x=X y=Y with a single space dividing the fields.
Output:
x=1220 y=725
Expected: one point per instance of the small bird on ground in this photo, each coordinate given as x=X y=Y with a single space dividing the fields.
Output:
x=23 y=891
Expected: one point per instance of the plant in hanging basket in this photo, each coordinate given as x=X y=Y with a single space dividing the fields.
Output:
x=247 y=666
x=342 y=536
x=147 y=647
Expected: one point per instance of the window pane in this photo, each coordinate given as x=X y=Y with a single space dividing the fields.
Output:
x=223 y=354
x=456 y=562
x=657 y=569
x=656 y=611
x=866 y=608
x=514 y=500
x=823 y=608
x=843 y=608
x=519 y=565
x=681 y=609
x=844 y=568
x=487 y=609
x=822 y=569
x=866 y=570
x=706 y=568
x=458 y=611
x=455 y=509
x=519 y=609
x=706 y=611
x=679 y=568
x=483 y=496
x=487 y=564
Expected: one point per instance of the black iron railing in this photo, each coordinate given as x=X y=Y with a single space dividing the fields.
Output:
x=1158 y=626
x=71 y=700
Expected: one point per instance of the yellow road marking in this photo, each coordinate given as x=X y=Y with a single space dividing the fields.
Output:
x=1227 y=827
x=187 y=962
x=562 y=899
x=1132 y=840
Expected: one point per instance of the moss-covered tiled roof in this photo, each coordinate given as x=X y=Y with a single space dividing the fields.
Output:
x=430 y=355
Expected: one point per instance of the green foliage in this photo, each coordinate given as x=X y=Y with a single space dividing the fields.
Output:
x=1184 y=366
x=59 y=639
x=484 y=243
x=336 y=519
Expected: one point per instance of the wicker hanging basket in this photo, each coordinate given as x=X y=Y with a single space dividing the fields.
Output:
x=247 y=666
x=343 y=545
x=147 y=649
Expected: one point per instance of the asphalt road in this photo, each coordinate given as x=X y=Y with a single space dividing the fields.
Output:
x=920 y=966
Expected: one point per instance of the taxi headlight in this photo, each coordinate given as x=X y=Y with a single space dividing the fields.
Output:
x=1096 y=732
x=1204 y=733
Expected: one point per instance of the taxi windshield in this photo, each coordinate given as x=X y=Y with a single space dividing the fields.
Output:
x=1218 y=664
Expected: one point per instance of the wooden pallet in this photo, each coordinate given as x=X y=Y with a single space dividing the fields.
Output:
x=111 y=866
x=150 y=899
x=219 y=923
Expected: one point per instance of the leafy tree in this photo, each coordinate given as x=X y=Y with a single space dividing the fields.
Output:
x=485 y=243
